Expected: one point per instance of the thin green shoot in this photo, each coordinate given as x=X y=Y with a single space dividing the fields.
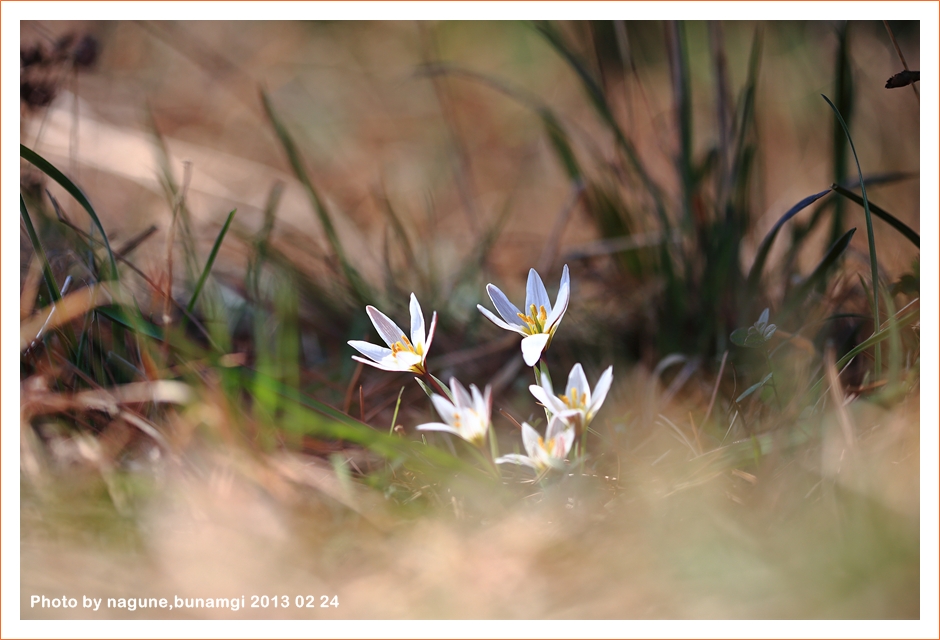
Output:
x=873 y=257
x=47 y=274
x=391 y=428
x=49 y=169
x=212 y=256
x=899 y=226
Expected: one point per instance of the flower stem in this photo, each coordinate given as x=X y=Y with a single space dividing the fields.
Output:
x=435 y=384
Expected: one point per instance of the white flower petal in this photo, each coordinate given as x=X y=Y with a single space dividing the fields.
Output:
x=578 y=381
x=417 y=322
x=500 y=323
x=601 y=389
x=370 y=350
x=535 y=293
x=556 y=427
x=384 y=366
x=565 y=281
x=404 y=360
x=530 y=439
x=504 y=307
x=472 y=426
x=563 y=444
x=547 y=398
x=479 y=404
x=561 y=302
x=445 y=408
x=389 y=331
x=427 y=344
x=532 y=347
x=438 y=426
x=515 y=458
x=461 y=397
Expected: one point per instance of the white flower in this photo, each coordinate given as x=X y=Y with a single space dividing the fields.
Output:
x=578 y=404
x=541 y=319
x=468 y=416
x=403 y=354
x=547 y=452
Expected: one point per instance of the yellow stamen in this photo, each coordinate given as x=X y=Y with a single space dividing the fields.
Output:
x=535 y=321
x=404 y=345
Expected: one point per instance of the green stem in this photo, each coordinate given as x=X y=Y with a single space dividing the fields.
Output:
x=434 y=383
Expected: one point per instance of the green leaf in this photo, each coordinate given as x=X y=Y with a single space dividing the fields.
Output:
x=46 y=167
x=754 y=387
x=905 y=230
x=747 y=338
x=876 y=338
x=209 y=262
x=353 y=278
x=47 y=274
x=872 y=256
x=754 y=276
x=817 y=278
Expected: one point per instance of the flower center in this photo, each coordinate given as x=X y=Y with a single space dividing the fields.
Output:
x=573 y=400
x=535 y=321
x=404 y=345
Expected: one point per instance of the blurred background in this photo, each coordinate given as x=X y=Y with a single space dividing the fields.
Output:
x=369 y=160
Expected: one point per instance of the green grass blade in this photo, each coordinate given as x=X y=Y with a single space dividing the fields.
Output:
x=902 y=228
x=46 y=167
x=210 y=262
x=399 y=229
x=340 y=426
x=894 y=344
x=844 y=95
x=47 y=274
x=873 y=257
x=353 y=278
x=599 y=101
x=133 y=321
x=744 y=125
x=175 y=197
x=754 y=276
x=873 y=341
x=682 y=100
x=754 y=387
x=817 y=278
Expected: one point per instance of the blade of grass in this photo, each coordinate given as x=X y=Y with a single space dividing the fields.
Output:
x=47 y=274
x=754 y=276
x=682 y=105
x=353 y=279
x=874 y=340
x=340 y=426
x=175 y=196
x=262 y=241
x=817 y=278
x=46 y=167
x=871 y=236
x=744 y=125
x=66 y=309
x=894 y=344
x=844 y=99
x=212 y=255
x=599 y=102
x=902 y=228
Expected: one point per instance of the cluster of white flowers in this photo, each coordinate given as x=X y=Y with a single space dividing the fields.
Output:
x=468 y=414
